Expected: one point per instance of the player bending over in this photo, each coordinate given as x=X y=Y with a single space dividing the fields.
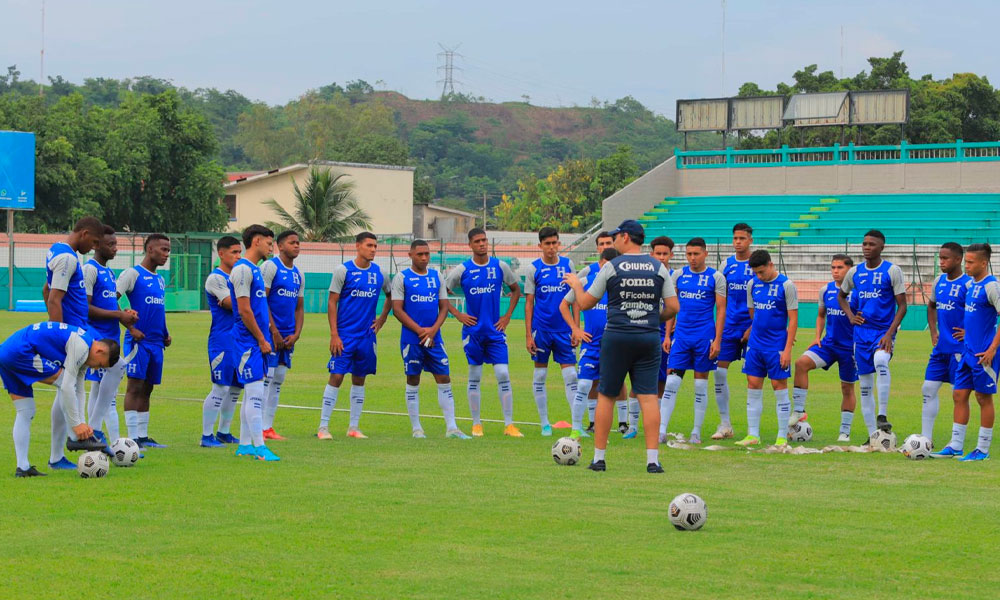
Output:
x=736 y=331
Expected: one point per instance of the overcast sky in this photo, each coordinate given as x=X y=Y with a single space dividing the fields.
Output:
x=556 y=52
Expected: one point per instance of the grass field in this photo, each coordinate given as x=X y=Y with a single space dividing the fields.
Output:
x=493 y=517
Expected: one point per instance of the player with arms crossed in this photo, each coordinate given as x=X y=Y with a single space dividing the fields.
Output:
x=354 y=291
x=546 y=331
x=881 y=305
x=286 y=290
x=481 y=279
x=736 y=330
x=837 y=346
x=418 y=304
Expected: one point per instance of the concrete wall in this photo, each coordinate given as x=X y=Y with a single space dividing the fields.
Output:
x=430 y=222
x=641 y=195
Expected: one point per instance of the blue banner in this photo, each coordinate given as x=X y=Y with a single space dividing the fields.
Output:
x=17 y=170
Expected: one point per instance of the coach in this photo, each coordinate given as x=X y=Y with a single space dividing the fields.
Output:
x=640 y=295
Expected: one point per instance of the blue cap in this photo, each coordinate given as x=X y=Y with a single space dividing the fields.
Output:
x=631 y=227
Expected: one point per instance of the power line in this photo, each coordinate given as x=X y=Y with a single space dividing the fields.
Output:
x=448 y=83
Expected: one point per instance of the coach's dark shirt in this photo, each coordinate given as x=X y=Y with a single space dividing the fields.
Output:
x=635 y=284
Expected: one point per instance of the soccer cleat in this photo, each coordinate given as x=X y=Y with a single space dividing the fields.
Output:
x=209 y=441
x=323 y=433
x=246 y=450
x=227 y=438
x=512 y=431
x=883 y=423
x=597 y=465
x=29 y=472
x=456 y=434
x=622 y=427
x=271 y=434
x=695 y=438
x=843 y=438
x=577 y=434
x=546 y=431
x=781 y=441
x=946 y=452
x=100 y=436
x=419 y=434
x=796 y=417
x=63 y=464
x=90 y=444
x=148 y=442
x=477 y=430
x=590 y=428
x=630 y=434
x=654 y=468
x=750 y=440
x=356 y=434
x=264 y=453
x=976 y=454
x=723 y=432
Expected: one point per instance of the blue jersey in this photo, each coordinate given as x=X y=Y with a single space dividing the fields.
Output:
x=696 y=293
x=245 y=281
x=101 y=287
x=839 y=329
x=421 y=296
x=483 y=287
x=545 y=282
x=47 y=340
x=982 y=305
x=63 y=272
x=738 y=276
x=948 y=296
x=285 y=287
x=220 y=332
x=595 y=319
x=359 y=290
x=771 y=301
x=876 y=290
x=146 y=293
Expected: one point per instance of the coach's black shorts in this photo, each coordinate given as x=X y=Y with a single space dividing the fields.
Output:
x=634 y=354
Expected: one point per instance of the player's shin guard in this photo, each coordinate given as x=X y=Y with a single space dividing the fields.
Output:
x=755 y=408
x=846 y=420
x=275 y=380
x=569 y=383
x=541 y=395
x=253 y=405
x=799 y=399
x=228 y=409
x=783 y=409
x=357 y=404
x=506 y=392
x=212 y=407
x=473 y=391
x=329 y=403
x=446 y=400
x=985 y=439
x=132 y=423
x=622 y=406
x=668 y=401
x=884 y=381
x=583 y=387
x=413 y=406
x=700 y=404
x=957 y=436
x=633 y=413
x=932 y=405
x=722 y=394
x=25 y=408
x=866 y=383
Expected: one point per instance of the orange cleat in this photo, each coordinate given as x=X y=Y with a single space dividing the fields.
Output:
x=356 y=434
x=271 y=434
x=512 y=431
x=324 y=434
x=477 y=430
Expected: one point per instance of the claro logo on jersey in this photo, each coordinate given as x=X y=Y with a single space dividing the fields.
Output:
x=363 y=293
x=949 y=305
x=423 y=298
x=482 y=289
x=699 y=295
x=260 y=294
x=153 y=300
x=769 y=305
x=868 y=295
x=109 y=294
x=736 y=285
x=552 y=289
x=287 y=293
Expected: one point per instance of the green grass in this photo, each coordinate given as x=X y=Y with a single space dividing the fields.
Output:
x=494 y=517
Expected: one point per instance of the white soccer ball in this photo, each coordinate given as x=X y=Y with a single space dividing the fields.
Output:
x=124 y=452
x=882 y=441
x=93 y=465
x=566 y=451
x=688 y=512
x=800 y=432
x=916 y=447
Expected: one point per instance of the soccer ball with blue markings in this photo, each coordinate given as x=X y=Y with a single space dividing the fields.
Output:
x=688 y=512
x=566 y=451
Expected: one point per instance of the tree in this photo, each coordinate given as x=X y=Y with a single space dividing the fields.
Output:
x=325 y=210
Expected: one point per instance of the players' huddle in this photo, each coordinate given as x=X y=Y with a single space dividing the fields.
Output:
x=707 y=319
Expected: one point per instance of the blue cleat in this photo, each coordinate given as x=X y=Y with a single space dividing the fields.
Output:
x=227 y=438
x=264 y=453
x=245 y=450
x=547 y=431
x=457 y=434
x=946 y=452
x=63 y=464
x=100 y=436
x=209 y=441
x=630 y=434
x=976 y=454
x=148 y=442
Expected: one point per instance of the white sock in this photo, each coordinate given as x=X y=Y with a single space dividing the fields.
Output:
x=143 y=423
x=722 y=394
x=474 y=393
x=58 y=433
x=92 y=401
x=61 y=423
x=957 y=436
x=866 y=383
x=212 y=407
x=569 y=384
x=357 y=404
x=502 y=373
x=985 y=439
x=783 y=409
x=229 y=409
x=102 y=397
x=884 y=380
x=329 y=403
x=668 y=401
x=253 y=403
x=413 y=406
x=246 y=438
x=541 y=395
x=932 y=404
x=591 y=408
x=132 y=423
x=111 y=425
x=755 y=408
x=700 y=404
x=846 y=419
x=799 y=399
x=622 y=406
x=633 y=413
x=583 y=387
x=446 y=400
x=599 y=453
x=652 y=456
x=274 y=384
x=25 y=408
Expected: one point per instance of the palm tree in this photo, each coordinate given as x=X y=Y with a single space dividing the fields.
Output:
x=326 y=210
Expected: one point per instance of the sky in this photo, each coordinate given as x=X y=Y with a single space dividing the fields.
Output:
x=555 y=52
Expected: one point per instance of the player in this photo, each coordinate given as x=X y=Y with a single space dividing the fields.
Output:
x=837 y=346
x=66 y=302
x=946 y=322
x=697 y=335
x=635 y=283
x=602 y=241
x=146 y=339
x=252 y=339
x=286 y=290
x=736 y=330
x=220 y=403
x=881 y=305
x=106 y=318
x=774 y=312
x=354 y=292
x=481 y=279
x=589 y=339
x=546 y=331
x=418 y=304
x=52 y=353
x=979 y=366
x=662 y=249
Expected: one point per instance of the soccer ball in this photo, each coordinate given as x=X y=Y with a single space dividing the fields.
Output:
x=882 y=441
x=124 y=452
x=93 y=465
x=688 y=512
x=916 y=447
x=800 y=432
x=566 y=451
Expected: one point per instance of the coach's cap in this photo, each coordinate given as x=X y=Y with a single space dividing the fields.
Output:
x=631 y=227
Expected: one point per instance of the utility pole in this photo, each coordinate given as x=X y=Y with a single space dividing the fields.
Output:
x=41 y=68
x=484 y=210
x=448 y=82
x=723 y=48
